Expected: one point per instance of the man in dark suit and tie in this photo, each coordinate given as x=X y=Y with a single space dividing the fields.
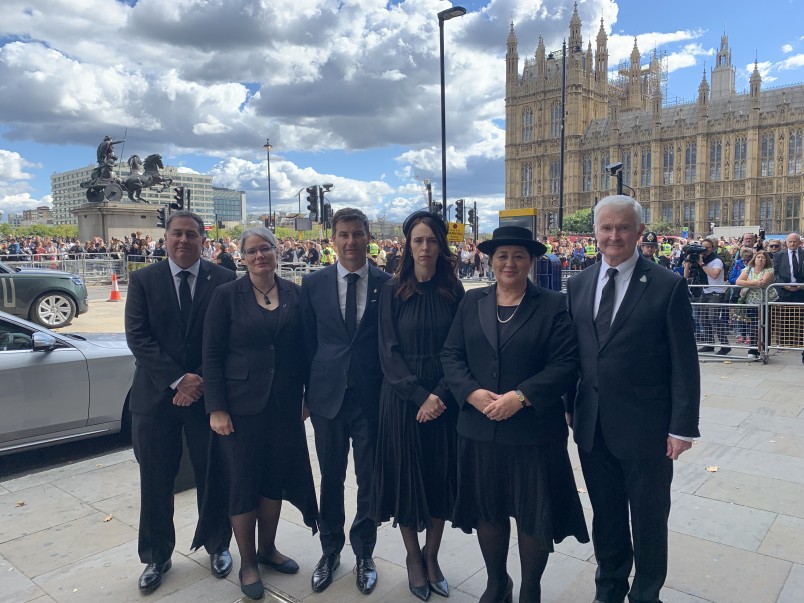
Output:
x=788 y=267
x=339 y=308
x=165 y=307
x=630 y=420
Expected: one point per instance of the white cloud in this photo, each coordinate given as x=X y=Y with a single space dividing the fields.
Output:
x=787 y=48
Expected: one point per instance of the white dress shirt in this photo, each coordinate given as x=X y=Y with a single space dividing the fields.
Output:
x=790 y=261
x=191 y=280
x=362 y=289
x=624 y=272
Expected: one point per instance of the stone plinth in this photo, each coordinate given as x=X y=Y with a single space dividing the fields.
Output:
x=118 y=220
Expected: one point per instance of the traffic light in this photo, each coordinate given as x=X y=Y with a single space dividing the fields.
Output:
x=471 y=218
x=161 y=218
x=221 y=225
x=178 y=197
x=312 y=202
x=459 y=210
x=327 y=218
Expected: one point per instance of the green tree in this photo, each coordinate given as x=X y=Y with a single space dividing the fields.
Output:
x=579 y=222
x=663 y=228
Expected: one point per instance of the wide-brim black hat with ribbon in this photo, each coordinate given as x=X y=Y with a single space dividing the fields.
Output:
x=512 y=235
x=407 y=225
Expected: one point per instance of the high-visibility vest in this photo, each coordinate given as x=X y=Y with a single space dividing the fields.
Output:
x=374 y=249
x=549 y=247
x=590 y=251
x=667 y=249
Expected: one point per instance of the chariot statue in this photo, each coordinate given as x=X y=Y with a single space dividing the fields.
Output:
x=106 y=185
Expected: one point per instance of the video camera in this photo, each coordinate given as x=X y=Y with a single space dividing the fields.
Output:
x=692 y=252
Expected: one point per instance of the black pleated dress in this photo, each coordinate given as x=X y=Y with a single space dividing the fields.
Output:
x=415 y=468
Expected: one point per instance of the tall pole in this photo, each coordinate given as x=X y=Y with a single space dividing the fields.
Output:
x=561 y=151
x=267 y=147
x=443 y=123
x=445 y=15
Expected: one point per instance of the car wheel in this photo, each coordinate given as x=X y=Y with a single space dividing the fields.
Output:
x=53 y=310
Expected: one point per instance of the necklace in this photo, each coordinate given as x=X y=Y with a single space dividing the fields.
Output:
x=265 y=293
x=500 y=320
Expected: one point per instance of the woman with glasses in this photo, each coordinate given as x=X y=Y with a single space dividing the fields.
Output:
x=253 y=386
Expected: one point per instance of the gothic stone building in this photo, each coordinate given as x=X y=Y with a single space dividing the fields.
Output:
x=727 y=159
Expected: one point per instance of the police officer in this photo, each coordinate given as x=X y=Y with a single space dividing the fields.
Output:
x=649 y=246
x=590 y=252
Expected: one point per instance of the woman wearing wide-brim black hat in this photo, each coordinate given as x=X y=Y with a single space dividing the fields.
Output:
x=508 y=377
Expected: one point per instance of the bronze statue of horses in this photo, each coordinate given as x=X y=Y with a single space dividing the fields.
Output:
x=145 y=174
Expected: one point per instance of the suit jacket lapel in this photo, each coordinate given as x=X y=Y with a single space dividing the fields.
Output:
x=523 y=313
x=202 y=291
x=248 y=304
x=372 y=296
x=487 y=313
x=283 y=294
x=168 y=282
x=636 y=288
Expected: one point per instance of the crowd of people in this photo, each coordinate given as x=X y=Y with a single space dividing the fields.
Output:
x=456 y=404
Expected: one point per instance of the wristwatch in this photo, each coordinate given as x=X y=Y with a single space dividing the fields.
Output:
x=522 y=399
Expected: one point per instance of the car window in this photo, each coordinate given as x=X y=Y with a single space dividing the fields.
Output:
x=14 y=337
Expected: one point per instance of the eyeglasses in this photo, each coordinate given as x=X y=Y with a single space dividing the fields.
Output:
x=264 y=250
x=774 y=246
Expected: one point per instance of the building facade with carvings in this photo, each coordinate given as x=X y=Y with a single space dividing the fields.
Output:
x=726 y=159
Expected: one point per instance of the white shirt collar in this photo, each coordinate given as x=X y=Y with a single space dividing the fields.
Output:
x=624 y=270
x=175 y=268
x=361 y=272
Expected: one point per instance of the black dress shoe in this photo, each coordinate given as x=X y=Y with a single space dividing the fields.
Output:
x=220 y=564
x=288 y=566
x=151 y=577
x=423 y=591
x=366 y=575
x=705 y=349
x=255 y=590
x=441 y=587
x=324 y=570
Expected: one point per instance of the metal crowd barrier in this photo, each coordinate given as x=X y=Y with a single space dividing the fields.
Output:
x=97 y=269
x=784 y=329
x=728 y=323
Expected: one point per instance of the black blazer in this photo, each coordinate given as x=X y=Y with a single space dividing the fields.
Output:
x=243 y=361
x=163 y=351
x=540 y=358
x=329 y=348
x=643 y=381
x=782 y=270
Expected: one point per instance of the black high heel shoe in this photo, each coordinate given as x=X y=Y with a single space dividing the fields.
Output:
x=421 y=592
x=441 y=587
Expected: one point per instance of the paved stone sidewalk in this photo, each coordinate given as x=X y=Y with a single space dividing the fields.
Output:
x=737 y=534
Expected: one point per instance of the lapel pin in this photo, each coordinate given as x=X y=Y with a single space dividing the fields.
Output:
x=643 y=279
x=209 y=276
x=375 y=291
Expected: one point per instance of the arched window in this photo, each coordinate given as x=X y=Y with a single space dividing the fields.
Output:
x=644 y=179
x=794 y=153
x=527 y=125
x=668 y=163
x=690 y=163
x=527 y=180
x=715 y=159
x=555 y=121
x=768 y=154
x=740 y=145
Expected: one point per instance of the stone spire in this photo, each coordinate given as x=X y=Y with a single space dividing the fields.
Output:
x=512 y=58
x=575 y=39
x=756 y=84
x=703 y=91
x=723 y=74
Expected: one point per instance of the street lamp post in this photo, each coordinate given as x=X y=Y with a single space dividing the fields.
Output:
x=298 y=194
x=445 y=15
x=563 y=134
x=267 y=147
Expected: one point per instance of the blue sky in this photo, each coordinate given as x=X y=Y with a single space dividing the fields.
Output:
x=347 y=90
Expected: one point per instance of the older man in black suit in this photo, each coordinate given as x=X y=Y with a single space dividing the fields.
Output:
x=165 y=307
x=339 y=314
x=788 y=269
x=631 y=421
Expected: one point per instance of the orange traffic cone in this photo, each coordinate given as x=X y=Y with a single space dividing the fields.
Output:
x=115 y=296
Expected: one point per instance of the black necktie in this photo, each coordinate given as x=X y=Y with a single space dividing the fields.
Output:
x=351 y=304
x=185 y=297
x=606 y=309
x=794 y=265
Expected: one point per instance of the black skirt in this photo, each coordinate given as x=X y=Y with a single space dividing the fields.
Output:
x=532 y=484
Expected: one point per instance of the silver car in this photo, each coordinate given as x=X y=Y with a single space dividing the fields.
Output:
x=57 y=387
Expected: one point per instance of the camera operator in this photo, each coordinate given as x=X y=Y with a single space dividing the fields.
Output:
x=713 y=293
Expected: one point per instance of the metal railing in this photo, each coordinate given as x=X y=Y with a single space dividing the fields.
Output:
x=97 y=269
x=784 y=329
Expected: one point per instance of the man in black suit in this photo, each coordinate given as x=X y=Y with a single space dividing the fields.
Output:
x=630 y=420
x=788 y=267
x=339 y=313
x=165 y=307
